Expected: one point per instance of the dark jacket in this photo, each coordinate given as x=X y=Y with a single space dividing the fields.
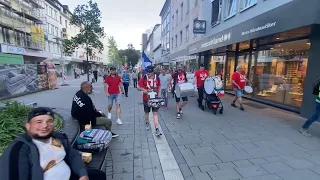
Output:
x=20 y=160
x=83 y=109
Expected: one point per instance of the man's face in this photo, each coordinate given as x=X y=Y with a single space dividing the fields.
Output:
x=163 y=71
x=201 y=68
x=150 y=74
x=40 y=127
x=87 y=89
x=179 y=68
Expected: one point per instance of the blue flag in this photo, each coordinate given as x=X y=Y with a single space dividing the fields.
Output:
x=145 y=61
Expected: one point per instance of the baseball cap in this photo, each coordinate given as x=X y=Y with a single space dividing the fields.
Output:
x=112 y=68
x=149 y=69
x=202 y=65
x=40 y=111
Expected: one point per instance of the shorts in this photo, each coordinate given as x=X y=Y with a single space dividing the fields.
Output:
x=238 y=92
x=115 y=98
x=183 y=99
x=147 y=108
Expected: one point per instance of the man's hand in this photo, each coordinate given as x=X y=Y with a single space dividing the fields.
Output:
x=84 y=178
x=107 y=94
x=145 y=91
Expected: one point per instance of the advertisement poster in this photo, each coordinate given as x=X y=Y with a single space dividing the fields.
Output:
x=18 y=78
x=52 y=75
x=43 y=76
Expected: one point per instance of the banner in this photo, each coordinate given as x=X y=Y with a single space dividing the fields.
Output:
x=37 y=34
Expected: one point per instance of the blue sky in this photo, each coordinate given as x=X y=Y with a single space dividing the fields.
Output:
x=126 y=20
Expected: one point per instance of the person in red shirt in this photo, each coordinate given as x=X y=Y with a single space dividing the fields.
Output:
x=112 y=88
x=148 y=84
x=199 y=76
x=179 y=77
x=238 y=83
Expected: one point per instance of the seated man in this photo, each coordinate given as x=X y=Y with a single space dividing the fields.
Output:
x=84 y=111
x=42 y=154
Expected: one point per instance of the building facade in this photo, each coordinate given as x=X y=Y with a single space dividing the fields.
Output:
x=165 y=15
x=276 y=46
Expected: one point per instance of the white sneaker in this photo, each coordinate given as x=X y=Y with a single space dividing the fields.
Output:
x=109 y=115
x=119 y=122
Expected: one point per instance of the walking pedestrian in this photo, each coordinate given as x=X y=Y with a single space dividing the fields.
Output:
x=95 y=75
x=150 y=83
x=238 y=82
x=165 y=81
x=315 y=116
x=199 y=78
x=179 y=77
x=112 y=88
x=135 y=79
x=125 y=80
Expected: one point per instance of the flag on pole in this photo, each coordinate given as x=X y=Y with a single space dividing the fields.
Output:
x=145 y=61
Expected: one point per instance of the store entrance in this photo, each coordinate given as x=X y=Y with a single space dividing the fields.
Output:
x=230 y=68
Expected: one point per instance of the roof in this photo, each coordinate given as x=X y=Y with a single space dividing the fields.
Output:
x=164 y=7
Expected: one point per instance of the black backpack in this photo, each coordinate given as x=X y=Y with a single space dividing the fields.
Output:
x=316 y=86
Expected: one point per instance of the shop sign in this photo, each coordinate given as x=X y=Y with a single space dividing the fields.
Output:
x=260 y=28
x=15 y=50
x=199 y=26
x=217 y=40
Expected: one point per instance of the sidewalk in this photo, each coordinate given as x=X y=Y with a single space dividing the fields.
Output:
x=261 y=143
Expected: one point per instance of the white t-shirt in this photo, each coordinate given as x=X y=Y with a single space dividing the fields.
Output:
x=49 y=152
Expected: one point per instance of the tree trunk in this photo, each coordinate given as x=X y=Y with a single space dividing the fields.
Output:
x=88 y=76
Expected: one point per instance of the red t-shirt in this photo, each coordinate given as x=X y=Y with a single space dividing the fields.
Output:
x=201 y=76
x=181 y=77
x=148 y=84
x=239 y=78
x=113 y=84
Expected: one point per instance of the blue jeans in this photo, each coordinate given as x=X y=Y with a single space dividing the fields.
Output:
x=164 y=94
x=114 y=98
x=238 y=92
x=313 y=118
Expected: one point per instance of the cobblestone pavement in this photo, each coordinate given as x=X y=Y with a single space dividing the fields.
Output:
x=261 y=143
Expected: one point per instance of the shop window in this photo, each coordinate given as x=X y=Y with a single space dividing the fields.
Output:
x=281 y=71
x=230 y=70
x=187 y=33
x=216 y=11
x=245 y=4
x=216 y=66
x=230 y=8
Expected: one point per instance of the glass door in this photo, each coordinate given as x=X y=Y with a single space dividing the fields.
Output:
x=230 y=70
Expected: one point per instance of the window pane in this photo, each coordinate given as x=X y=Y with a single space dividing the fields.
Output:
x=216 y=11
x=231 y=7
x=281 y=71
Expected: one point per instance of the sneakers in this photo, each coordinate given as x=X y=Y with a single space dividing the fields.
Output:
x=305 y=132
x=241 y=108
x=178 y=116
x=180 y=111
x=114 y=135
x=166 y=107
x=158 y=133
x=119 y=122
x=233 y=105
x=109 y=115
x=147 y=126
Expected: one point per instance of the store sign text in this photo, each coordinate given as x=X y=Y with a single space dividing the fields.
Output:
x=223 y=38
x=15 y=50
x=266 y=26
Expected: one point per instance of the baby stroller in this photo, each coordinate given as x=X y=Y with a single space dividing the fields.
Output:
x=213 y=90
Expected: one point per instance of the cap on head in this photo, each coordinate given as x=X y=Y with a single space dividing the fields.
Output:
x=202 y=65
x=40 y=111
x=112 y=68
x=150 y=69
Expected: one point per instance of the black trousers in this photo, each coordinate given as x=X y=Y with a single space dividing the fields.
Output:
x=200 y=95
x=126 y=88
x=93 y=174
x=135 y=81
x=96 y=78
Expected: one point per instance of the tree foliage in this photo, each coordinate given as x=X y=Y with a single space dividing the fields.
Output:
x=132 y=55
x=88 y=18
x=113 y=51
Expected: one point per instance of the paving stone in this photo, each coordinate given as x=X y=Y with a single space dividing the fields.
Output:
x=146 y=163
x=242 y=163
x=316 y=169
x=227 y=165
x=191 y=146
x=314 y=159
x=202 y=176
x=273 y=159
x=159 y=177
x=227 y=174
x=185 y=170
x=123 y=176
x=138 y=173
x=263 y=177
x=148 y=174
x=258 y=161
x=198 y=160
x=123 y=167
x=251 y=171
x=299 y=164
x=233 y=155
x=203 y=150
x=195 y=170
x=208 y=168
x=276 y=167
x=301 y=174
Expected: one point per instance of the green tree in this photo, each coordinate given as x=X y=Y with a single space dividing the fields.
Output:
x=132 y=55
x=113 y=51
x=88 y=18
